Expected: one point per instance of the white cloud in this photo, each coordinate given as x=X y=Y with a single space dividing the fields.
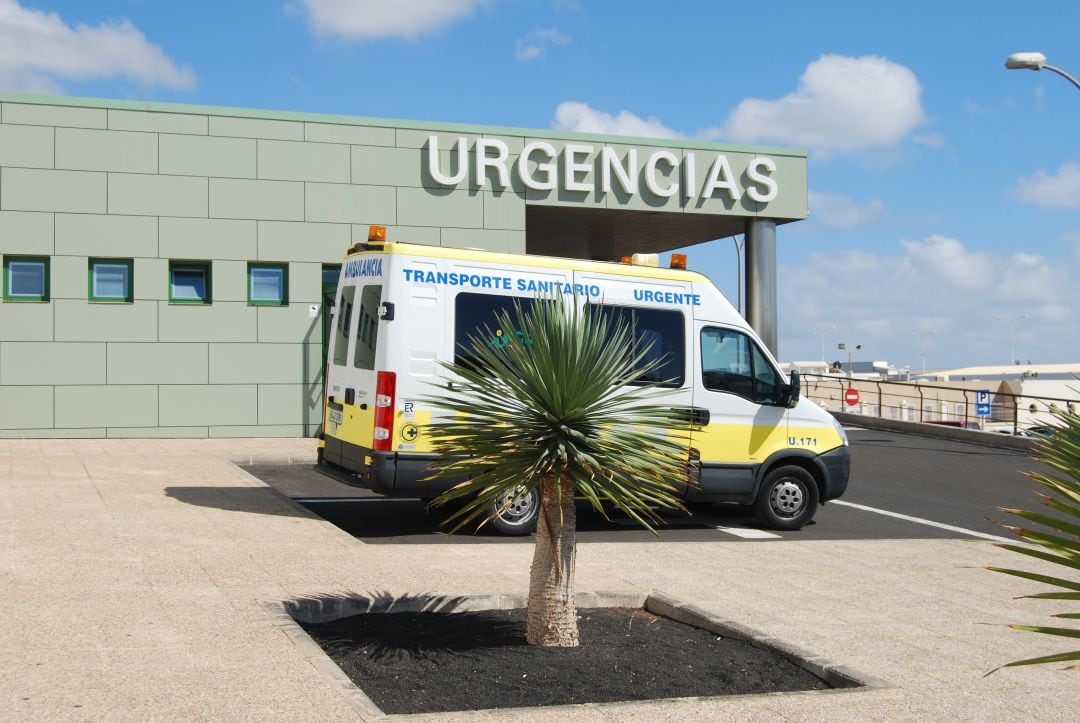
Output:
x=1058 y=191
x=936 y=283
x=579 y=117
x=536 y=42
x=370 y=19
x=842 y=104
x=38 y=50
x=838 y=210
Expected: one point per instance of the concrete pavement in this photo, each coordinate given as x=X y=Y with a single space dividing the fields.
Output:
x=131 y=573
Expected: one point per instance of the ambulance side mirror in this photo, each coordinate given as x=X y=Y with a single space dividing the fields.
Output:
x=789 y=396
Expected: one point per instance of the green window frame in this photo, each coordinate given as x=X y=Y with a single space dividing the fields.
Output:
x=20 y=271
x=190 y=282
x=102 y=275
x=268 y=284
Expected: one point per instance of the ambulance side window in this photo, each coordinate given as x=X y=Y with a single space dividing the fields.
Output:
x=341 y=327
x=660 y=334
x=476 y=317
x=367 y=327
x=731 y=362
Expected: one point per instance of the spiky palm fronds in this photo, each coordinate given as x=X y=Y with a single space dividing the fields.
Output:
x=1061 y=544
x=555 y=402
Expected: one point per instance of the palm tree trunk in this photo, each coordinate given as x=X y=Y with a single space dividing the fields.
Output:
x=552 y=618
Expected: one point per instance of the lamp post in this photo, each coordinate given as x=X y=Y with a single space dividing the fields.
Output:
x=922 y=346
x=1011 y=320
x=822 y=330
x=1036 y=61
x=845 y=346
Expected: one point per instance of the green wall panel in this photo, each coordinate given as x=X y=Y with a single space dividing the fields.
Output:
x=220 y=321
x=78 y=320
x=215 y=404
x=290 y=404
x=28 y=146
x=151 y=195
x=256 y=128
x=26 y=321
x=101 y=235
x=269 y=200
x=297 y=161
x=288 y=324
x=135 y=120
x=357 y=135
x=298 y=241
x=26 y=407
x=151 y=279
x=275 y=430
x=43 y=363
x=256 y=363
x=157 y=432
x=206 y=238
x=427 y=235
x=504 y=210
x=157 y=363
x=376 y=166
x=26 y=232
x=230 y=281
x=423 y=207
x=53 y=115
x=92 y=150
x=208 y=156
x=68 y=277
x=342 y=203
x=115 y=405
x=26 y=189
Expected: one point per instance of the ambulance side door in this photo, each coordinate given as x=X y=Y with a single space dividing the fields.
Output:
x=739 y=387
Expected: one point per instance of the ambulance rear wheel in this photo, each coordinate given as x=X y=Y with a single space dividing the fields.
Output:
x=788 y=498
x=520 y=509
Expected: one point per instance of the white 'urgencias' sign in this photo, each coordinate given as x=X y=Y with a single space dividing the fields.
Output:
x=663 y=172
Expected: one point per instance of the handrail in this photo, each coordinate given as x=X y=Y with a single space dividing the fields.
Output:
x=1005 y=407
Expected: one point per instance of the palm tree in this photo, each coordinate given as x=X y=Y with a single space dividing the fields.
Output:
x=1061 y=546
x=552 y=399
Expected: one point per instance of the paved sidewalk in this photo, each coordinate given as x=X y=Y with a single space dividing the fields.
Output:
x=130 y=572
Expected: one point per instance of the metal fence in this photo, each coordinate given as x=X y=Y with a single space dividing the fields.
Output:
x=932 y=402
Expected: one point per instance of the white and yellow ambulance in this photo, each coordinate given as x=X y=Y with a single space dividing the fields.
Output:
x=400 y=309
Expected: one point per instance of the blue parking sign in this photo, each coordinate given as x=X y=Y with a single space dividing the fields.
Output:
x=982 y=402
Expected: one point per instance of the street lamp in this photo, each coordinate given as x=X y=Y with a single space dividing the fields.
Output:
x=1011 y=320
x=845 y=346
x=823 y=329
x=923 y=334
x=1036 y=61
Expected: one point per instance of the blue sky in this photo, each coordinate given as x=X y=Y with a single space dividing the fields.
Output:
x=944 y=189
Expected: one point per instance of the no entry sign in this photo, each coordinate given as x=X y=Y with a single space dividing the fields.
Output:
x=851 y=396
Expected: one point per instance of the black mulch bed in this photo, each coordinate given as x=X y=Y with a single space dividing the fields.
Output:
x=427 y=662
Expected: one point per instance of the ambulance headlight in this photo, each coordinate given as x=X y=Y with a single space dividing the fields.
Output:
x=840 y=430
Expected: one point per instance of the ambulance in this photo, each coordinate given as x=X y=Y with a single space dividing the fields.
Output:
x=401 y=309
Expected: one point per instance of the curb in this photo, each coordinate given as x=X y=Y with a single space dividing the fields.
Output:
x=287 y=615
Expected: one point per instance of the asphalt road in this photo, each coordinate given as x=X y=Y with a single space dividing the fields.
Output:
x=902 y=487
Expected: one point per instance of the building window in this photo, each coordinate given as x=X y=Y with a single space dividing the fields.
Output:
x=330 y=274
x=189 y=282
x=26 y=278
x=110 y=280
x=268 y=284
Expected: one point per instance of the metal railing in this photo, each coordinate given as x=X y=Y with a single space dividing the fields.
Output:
x=933 y=402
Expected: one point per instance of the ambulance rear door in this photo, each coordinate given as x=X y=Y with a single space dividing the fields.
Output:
x=352 y=360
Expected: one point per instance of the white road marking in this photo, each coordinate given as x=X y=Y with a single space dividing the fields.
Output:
x=748 y=533
x=921 y=521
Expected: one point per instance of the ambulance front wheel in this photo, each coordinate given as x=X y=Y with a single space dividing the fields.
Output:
x=519 y=510
x=788 y=498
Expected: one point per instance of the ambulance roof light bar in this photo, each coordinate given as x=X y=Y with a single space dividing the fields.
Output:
x=375 y=239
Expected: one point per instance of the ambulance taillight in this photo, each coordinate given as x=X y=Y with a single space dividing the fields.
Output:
x=385 y=386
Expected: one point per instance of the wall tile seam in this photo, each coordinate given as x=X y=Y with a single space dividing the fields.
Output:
x=158 y=132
